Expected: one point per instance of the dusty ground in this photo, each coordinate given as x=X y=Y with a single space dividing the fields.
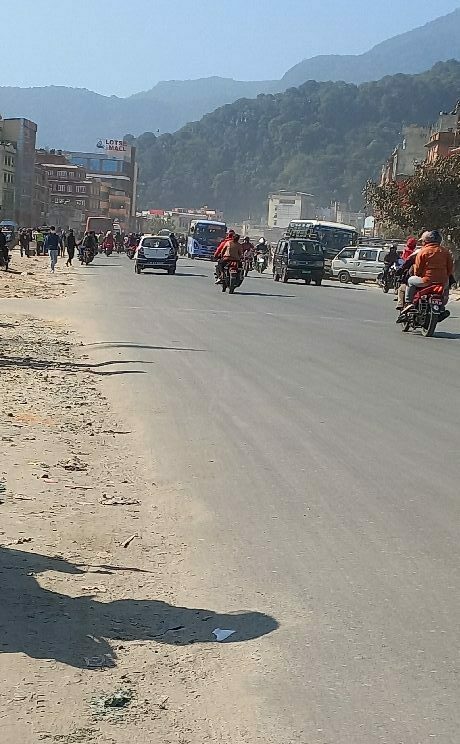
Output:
x=31 y=277
x=93 y=645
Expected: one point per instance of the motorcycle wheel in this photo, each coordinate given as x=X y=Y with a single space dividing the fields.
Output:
x=429 y=326
x=405 y=327
x=232 y=286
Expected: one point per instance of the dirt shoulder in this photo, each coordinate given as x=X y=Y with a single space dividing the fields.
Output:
x=94 y=647
x=31 y=278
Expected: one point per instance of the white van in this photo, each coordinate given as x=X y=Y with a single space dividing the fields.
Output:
x=366 y=262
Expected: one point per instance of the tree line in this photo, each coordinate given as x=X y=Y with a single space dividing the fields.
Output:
x=327 y=139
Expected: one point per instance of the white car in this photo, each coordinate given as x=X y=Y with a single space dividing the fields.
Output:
x=155 y=252
x=359 y=264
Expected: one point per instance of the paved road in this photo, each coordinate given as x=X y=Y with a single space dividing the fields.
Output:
x=319 y=448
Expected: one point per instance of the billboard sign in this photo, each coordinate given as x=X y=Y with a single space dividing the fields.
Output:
x=114 y=147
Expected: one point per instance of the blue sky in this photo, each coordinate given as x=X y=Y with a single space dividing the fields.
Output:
x=124 y=46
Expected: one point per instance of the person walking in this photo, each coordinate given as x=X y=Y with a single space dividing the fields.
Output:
x=24 y=243
x=52 y=245
x=39 y=240
x=71 y=244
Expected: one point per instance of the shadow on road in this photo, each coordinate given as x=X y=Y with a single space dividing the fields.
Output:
x=164 y=273
x=447 y=334
x=27 y=362
x=129 y=345
x=48 y=625
x=265 y=294
x=353 y=287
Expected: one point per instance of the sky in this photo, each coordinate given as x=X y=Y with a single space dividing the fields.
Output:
x=120 y=47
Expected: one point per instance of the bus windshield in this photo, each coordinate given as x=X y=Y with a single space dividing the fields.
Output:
x=334 y=240
x=209 y=234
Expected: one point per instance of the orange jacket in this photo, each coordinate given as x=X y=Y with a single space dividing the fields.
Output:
x=221 y=246
x=233 y=251
x=434 y=264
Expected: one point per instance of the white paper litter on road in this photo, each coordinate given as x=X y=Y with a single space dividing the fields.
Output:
x=222 y=635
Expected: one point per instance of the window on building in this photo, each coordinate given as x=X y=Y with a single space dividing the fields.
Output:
x=112 y=166
x=62 y=174
x=80 y=189
x=80 y=202
x=71 y=174
x=61 y=187
x=69 y=188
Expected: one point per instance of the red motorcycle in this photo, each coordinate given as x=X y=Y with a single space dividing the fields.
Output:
x=429 y=309
x=232 y=276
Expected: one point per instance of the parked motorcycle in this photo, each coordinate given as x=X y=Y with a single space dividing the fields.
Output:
x=429 y=310
x=232 y=276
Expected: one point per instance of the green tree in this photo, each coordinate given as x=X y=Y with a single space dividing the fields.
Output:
x=429 y=200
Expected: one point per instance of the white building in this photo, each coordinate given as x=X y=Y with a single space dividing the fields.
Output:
x=285 y=206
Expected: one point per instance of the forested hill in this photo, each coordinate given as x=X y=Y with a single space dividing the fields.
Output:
x=323 y=138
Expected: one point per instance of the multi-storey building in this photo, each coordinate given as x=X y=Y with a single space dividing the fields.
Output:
x=22 y=133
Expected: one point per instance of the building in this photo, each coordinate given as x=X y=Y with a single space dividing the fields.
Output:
x=7 y=179
x=440 y=145
x=41 y=197
x=73 y=196
x=23 y=134
x=407 y=156
x=115 y=166
x=285 y=206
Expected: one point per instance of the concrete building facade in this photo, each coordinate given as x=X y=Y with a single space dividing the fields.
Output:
x=23 y=134
x=7 y=180
x=285 y=206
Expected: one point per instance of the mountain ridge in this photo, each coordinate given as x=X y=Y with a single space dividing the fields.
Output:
x=324 y=138
x=85 y=116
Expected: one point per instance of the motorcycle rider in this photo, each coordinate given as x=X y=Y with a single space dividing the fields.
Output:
x=218 y=254
x=109 y=242
x=390 y=259
x=233 y=251
x=89 y=243
x=411 y=245
x=248 y=254
x=433 y=265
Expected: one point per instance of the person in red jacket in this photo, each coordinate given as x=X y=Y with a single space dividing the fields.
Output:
x=223 y=243
x=411 y=245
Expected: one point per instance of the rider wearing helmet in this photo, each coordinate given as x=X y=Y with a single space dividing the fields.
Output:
x=434 y=265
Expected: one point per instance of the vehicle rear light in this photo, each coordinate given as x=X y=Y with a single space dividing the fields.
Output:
x=140 y=252
x=172 y=253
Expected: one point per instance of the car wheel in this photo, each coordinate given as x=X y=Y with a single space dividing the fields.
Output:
x=172 y=270
x=276 y=276
x=344 y=277
x=284 y=277
x=137 y=269
x=318 y=282
x=308 y=280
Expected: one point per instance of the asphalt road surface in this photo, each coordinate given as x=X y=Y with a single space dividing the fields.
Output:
x=318 y=448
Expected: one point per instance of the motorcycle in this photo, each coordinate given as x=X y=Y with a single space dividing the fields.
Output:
x=261 y=262
x=130 y=251
x=248 y=265
x=232 y=276
x=429 y=310
x=389 y=280
x=87 y=255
